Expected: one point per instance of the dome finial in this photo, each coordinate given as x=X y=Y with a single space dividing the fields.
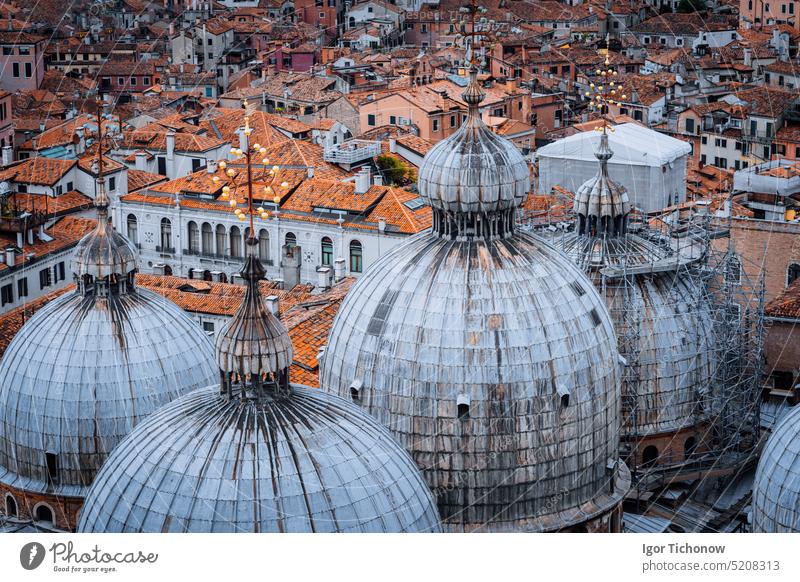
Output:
x=254 y=350
x=104 y=260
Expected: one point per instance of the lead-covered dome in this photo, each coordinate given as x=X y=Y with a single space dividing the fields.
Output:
x=255 y=453
x=492 y=359
x=91 y=365
x=304 y=461
x=474 y=170
x=776 y=490
x=661 y=314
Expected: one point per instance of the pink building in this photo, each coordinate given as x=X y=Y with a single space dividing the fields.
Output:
x=6 y=122
x=21 y=60
x=298 y=60
x=758 y=13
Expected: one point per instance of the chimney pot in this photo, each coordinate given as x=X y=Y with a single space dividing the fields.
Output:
x=10 y=256
x=273 y=304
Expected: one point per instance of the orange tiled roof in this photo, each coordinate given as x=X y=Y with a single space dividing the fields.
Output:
x=787 y=304
x=332 y=194
x=65 y=233
x=39 y=170
x=12 y=322
x=72 y=201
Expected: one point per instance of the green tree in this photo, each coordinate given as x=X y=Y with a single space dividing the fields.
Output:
x=395 y=171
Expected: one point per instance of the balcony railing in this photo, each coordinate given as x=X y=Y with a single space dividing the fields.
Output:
x=760 y=136
x=165 y=250
x=352 y=151
x=221 y=257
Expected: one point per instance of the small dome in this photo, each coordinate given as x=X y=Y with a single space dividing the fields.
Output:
x=474 y=170
x=776 y=490
x=81 y=373
x=103 y=252
x=303 y=461
x=254 y=339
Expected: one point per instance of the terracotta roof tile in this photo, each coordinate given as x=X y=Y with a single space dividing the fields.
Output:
x=787 y=304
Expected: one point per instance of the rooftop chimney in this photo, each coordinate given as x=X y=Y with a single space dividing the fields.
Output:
x=8 y=155
x=362 y=181
x=80 y=147
x=323 y=278
x=378 y=180
x=211 y=166
x=141 y=161
x=338 y=269
x=11 y=256
x=272 y=303
x=393 y=145
x=310 y=171
x=170 y=144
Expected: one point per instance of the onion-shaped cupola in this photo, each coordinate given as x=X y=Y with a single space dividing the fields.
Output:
x=254 y=351
x=255 y=453
x=104 y=261
x=475 y=179
x=86 y=369
x=488 y=354
x=602 y=205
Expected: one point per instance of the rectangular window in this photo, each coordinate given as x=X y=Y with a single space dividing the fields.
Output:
x=52 y=467
x=22 y=287
x=24 y=50
x=435 y=125
x=146 y=81
x=6 y=294
x=112 y=183
x=7 y=50
x=120 y=80
x=28 y=70
x=690 y=126
x=70 y=187
x=44 y=278
x=704 y=139
x=452 y=121
x=15 y=70
x=208 y=327
x=371 y=119
x=392 y=120
x=703 y=159
x=195 y=165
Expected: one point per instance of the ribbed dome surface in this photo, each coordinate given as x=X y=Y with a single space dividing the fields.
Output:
x=103 y=252
x=675 y=357
x=474 y=170
x=82 y=373
x=776 y=490
x=495 y=363
x=600 y=196
x=300 y=462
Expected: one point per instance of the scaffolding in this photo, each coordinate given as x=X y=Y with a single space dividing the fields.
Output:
x=726 y=406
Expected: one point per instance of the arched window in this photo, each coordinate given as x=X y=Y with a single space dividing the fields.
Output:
x=133 y=228
x=11 y=506
x=792 y=274
x=356 y=261
x=649 y=456
x=236 y=242
x=263 y=245
x=206 y=239
x=327 y=251
x=166 y=235
x=44 y=512
x=291 y=239
x=194 y=237
x=222 y=240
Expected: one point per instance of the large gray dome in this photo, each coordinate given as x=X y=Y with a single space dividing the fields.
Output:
x=304 y=461
x=494 y=362
x=776 y=490
x=81 y=373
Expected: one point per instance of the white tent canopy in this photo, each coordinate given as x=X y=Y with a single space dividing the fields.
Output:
x=651 y=165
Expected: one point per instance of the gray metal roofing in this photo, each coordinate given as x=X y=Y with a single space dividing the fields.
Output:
x=474 y=170
x=776 y=491
x=81 y=373
x=508 y=326
x=303 y=462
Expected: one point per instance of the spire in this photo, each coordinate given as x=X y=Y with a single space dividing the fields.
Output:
x=254 y=350
x=104 y=261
